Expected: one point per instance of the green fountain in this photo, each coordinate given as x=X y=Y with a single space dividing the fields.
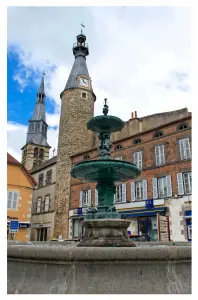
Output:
x=103 y=224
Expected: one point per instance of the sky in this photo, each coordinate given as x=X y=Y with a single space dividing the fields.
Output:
x=139 y=59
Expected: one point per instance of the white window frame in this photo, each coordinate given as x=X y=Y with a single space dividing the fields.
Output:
x=46 y=205
x=118 y=158
x=38 y=207
x=184 y=146
x=137 y=158
x=12 y=200
x=139 y=186
x=118 y=194
x=85 y=198
x=164 y=185
x=189 y=182
x=159 y=155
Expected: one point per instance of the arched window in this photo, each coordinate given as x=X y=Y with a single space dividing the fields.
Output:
x=118 y=147
x=35 y=152
x=158 y=134
x=182 y=127
x=34 y=164
x=31 y=127
x=41 y=154
x=37 y=127
x=137 y=141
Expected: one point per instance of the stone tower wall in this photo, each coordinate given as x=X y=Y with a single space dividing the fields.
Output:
x=28 y=158
x=73 y=137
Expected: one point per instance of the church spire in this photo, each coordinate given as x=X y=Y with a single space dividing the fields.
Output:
x=80 y=51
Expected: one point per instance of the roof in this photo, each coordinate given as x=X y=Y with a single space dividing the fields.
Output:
x=45 y=164
x=42 y=87
x=11 y=160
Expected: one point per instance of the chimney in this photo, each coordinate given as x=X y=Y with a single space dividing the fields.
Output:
x=134 y=115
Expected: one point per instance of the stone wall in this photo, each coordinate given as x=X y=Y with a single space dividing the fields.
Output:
x=51 y=269
x=73 y=137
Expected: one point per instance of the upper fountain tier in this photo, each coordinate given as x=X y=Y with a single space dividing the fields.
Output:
x=105 y=123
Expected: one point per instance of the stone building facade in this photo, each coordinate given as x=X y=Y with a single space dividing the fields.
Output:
x=43 y=203
x=162 y=150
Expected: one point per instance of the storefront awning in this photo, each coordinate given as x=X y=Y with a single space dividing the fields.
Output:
x=142 y=212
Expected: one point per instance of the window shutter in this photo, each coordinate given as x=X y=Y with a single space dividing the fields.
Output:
x=14 y=199
x=180 y=185
x=81 y=197
x=154 y=184
x=162 y=155
x=157 y=156
x=140 y=160
x=182 y=151
x=9 y=202
x=89 y=197
x=187 y=148
x=96 y=197
x=132 y=191
x=123 y=192
x=144 y=183
x=169 y=186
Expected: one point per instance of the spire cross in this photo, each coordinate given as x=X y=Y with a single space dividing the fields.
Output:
x=43 y=73
x=82 y=26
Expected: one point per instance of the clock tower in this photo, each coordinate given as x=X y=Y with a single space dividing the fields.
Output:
x=77 y=107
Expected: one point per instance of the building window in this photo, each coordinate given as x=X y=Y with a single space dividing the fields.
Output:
x=37 y=127
x=118 y=147
x=139 y=190
x=137 y=141
x=41 y=154
x=182 y=127
x=34 y=164
x=118 y=195
x=49 y=177
x=137 y=158
x=84 y=95
x=31 y=127
x=187 y=181
x=162 y=187
x=75 y=228
x=159 y=155
x=12 y=200
x=38 y=205
x=46 y=203
x=85 y=198
x=42 y=234
x=184 y=146
x=35 y=152
x=40 y=180
x=158 y=134
x=118 y=158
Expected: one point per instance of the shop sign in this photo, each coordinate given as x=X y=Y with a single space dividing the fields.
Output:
x=163 y=228
x=24 y=225
x=149 y=203
x=79 y=211
x=14 y=226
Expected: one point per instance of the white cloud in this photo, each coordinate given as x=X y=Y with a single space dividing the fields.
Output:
x=135 y=53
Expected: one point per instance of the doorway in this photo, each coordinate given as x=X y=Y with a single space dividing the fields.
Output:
x=42 y=234
x=144 y=229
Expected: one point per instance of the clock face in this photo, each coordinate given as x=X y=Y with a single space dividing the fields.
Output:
x=84 y=82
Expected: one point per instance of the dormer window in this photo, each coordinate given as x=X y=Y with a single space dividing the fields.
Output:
x=118 y=147
x=158 y=134
x=137 y=141
x=182 y=127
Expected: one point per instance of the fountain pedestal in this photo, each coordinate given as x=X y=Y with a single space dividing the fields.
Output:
x=106 y=233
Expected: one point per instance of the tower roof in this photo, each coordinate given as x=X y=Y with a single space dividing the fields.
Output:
x=42 y=86
x=80 y=51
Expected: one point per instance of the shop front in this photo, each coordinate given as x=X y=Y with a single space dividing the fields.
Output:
x=188 y=217
x=23 y=233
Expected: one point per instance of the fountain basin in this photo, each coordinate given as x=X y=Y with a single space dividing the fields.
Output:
x=105 y=170
x=105 y=123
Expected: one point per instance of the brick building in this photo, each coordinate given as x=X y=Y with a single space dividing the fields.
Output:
x=160 y=145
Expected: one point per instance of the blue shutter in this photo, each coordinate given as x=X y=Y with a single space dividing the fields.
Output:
x=169 y=186
x=180 y=185
x=123 y=192
x=132 y=191
x=154 y=184
x=89 y=198
x=81 y=197
x=144 y=183
x=96 y=197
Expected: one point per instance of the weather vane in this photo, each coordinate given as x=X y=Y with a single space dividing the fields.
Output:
x=82 y=26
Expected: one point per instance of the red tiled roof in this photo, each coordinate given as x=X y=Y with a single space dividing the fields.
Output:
x=12 y=160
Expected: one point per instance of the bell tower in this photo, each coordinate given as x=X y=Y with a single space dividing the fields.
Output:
x=36 y=149
x=76 y=108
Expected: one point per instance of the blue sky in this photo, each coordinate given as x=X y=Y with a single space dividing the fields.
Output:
x=139 y=60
